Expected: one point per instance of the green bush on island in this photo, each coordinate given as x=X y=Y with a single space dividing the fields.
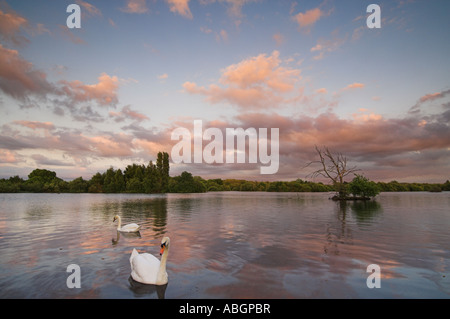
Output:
x=360 y=186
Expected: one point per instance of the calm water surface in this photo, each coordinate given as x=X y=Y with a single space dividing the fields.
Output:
x=227 y=245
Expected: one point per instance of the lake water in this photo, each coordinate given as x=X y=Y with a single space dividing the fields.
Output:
x=227 y=245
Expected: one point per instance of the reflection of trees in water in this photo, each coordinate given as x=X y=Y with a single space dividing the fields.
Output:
x=366 y=211
x=38 y=212
x=154 y=209
x=340 y=230
x=187 y=204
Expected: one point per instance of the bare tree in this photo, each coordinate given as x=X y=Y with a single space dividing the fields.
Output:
x=333 y=167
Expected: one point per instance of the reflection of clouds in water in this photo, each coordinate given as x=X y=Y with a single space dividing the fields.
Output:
x=229 y=245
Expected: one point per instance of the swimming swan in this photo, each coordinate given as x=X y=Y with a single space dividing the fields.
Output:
x=147 y=269
x=130 y=228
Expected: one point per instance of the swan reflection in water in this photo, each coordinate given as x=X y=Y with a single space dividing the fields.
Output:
x=126 y=235
x=140 y=290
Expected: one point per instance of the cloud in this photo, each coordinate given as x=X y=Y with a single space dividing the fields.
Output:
x=128 y=113
x=433 y=96
x=257 y=82
x=71 y=142
x=36 y=125
x=355 y=85
x=8 y=157
x=10 y=25
x=410 y=147
x=222 y=36
x=180 y=7
x=19 y=78
x=104 y=92
x=370 y=140
x=206 y=30
x=42 y=160
x=278 y=38
x=365 y=116
x=163 y=76
x=234 y=9
x=90 y=8
x=22 y=81
x=135 y=6
x=430 y=97
x=70 y=35
x=324 y=46
x=384 y=148
x=307 y=19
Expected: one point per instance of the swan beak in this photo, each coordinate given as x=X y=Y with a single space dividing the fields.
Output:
x=114 y=219
x=162 y=249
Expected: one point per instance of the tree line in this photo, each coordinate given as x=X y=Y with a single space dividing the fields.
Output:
x=149 y=179
x=154 y=178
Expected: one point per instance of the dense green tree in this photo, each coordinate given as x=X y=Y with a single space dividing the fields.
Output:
x=362 y=186
x=186 y=183
x=42 y=180
x=108 y=182
x=119 y=181
x=78 y=185
x=96 y=183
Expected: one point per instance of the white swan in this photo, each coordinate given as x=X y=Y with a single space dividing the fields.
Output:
x=130 y=228
x=147 y=269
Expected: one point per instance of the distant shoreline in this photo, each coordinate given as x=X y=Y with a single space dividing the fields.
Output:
x=154 y=178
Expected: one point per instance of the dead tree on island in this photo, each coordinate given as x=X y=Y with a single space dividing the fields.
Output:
x=333 y=167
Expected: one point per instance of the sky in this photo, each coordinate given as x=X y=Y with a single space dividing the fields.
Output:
x=111 y=93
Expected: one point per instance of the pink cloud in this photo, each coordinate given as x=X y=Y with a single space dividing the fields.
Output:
x=36 y=125
x=7 y=156
x=355 y=85
x=90 y=8
x=431 y=97
x=385 y=148
x=19 y=78
x=256 y=82
x=428 y=98
x=308 y=18
x=110 y=146
x=135 y=6
x=10 y=25
x=22 y=81
x=104 y=92
x=180 y=7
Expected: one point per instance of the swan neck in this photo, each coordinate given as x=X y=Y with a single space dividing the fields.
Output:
x=120 y=223
x=162 y=274
x=162 y=266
